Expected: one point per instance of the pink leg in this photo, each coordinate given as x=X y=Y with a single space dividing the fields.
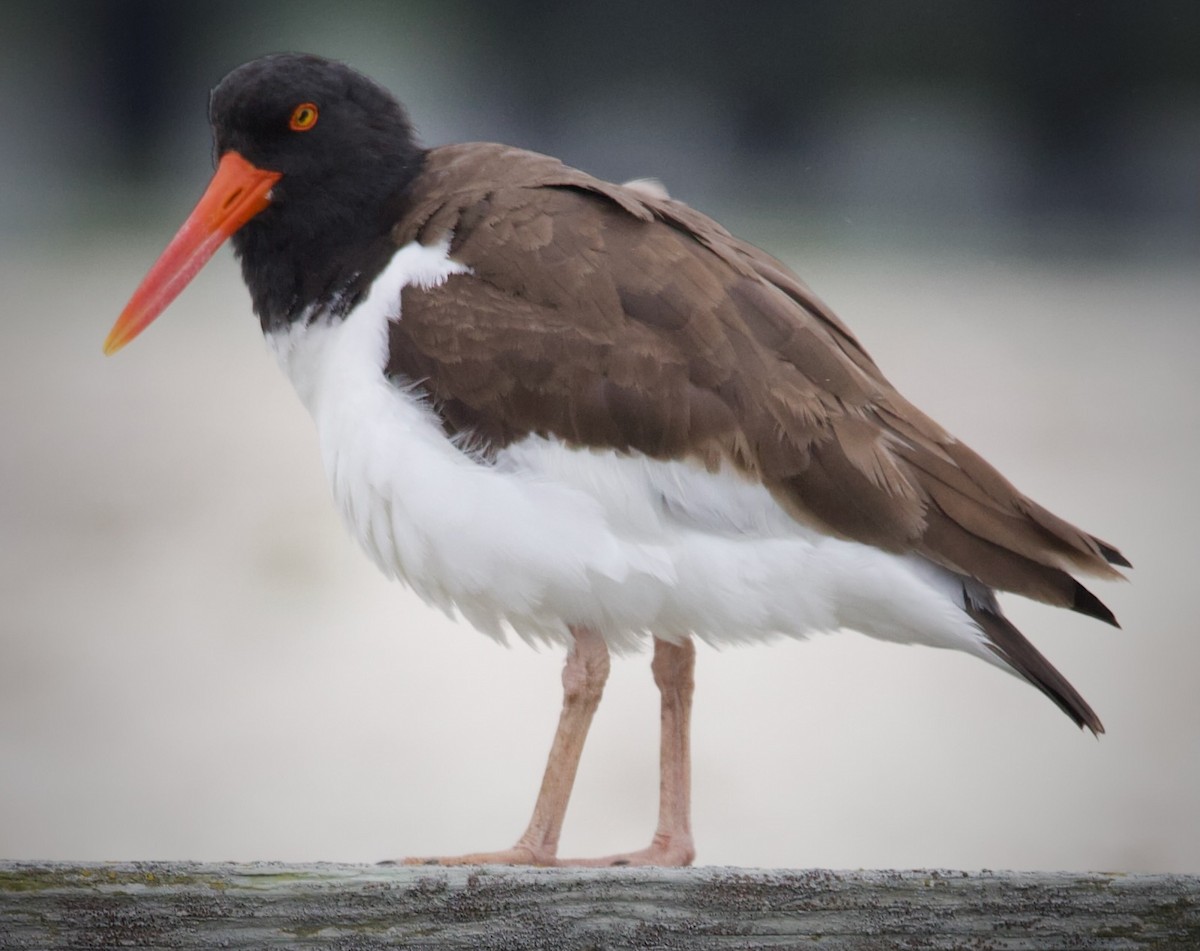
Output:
x=584 y=675
x=674 y=672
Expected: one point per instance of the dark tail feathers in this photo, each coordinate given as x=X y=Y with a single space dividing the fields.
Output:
x=1015 y=650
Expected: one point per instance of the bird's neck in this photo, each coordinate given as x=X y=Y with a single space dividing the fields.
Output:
x=318 y=253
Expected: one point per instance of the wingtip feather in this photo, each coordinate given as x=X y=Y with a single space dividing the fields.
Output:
x=1011 y=646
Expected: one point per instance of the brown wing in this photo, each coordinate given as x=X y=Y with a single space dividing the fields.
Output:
x=611 y=317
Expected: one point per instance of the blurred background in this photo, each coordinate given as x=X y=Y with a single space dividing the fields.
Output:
x=196 y=663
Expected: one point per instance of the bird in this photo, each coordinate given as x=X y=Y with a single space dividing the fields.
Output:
x=586 y=414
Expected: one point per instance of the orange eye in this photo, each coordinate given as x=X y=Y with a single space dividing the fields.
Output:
x=304 y=117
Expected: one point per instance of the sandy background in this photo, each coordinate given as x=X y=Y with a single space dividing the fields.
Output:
x=195 y=661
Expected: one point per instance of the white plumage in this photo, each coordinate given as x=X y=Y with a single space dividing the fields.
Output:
x=547 y=535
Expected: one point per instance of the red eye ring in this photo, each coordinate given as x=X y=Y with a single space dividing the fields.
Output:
x=304 y=117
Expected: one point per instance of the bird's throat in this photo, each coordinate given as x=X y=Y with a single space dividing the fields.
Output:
x=304 y=257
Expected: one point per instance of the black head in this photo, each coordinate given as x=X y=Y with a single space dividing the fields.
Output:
x=345 y=151
x=351 y=123
x=314 y=162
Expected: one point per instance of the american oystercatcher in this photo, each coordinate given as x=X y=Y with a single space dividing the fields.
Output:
x=586 y=413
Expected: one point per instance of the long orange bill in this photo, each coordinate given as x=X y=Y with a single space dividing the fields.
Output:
x=238 y=191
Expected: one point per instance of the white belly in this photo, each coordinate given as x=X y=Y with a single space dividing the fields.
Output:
x=546 y=536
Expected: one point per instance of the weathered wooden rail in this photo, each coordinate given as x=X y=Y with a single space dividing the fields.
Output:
x=270 y=906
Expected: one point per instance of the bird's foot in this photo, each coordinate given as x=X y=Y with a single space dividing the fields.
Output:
x=517 y=855
x=669 y=855
x=664 y=851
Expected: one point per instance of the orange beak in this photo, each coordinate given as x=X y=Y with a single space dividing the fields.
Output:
x=237 y=192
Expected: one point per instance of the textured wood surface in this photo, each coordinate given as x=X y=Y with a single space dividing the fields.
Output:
x=269 y=906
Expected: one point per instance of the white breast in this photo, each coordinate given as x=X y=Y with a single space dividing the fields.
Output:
x=546 y=535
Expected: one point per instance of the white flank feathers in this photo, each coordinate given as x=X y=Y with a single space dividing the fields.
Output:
x=549 y=535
